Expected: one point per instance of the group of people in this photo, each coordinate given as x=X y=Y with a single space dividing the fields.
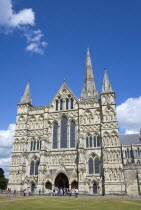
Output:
x=63 y=192
x=9 y=192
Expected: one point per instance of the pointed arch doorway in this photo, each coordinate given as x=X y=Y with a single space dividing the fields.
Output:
x=61 y=181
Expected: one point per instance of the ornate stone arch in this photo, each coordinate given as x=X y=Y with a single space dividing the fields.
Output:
x=87 y=117
x=109 y=113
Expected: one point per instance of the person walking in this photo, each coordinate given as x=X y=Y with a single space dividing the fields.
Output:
x=76 y=193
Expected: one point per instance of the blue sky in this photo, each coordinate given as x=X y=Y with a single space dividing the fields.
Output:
x=112 y=31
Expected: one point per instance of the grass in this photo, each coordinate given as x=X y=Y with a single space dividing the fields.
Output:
x=66 y=203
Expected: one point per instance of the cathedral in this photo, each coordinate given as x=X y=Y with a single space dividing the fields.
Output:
x=74 y=143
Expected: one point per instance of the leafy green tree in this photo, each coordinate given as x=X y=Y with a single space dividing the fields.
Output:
x=1 y=173
x=3 y=181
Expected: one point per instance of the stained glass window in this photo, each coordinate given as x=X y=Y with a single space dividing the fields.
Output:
x=94 y=141
x=96 y=165
x=67 y=104
x=63 y=139
x=36 y=167
x=91 y=168
x=56 y=105
x=98 y=141
x=90 y=141
x=38 y=145
x=72 y=134
x=55 y=135
x=61 y=104
x=71 y=103
x=87 y=142
x=32 y=168
x=34 y=145
x=31 y=146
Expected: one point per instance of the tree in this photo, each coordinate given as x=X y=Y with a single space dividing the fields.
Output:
x=1 y=173
x=3 y=181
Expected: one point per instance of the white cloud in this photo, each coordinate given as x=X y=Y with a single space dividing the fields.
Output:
x=23 y=21
x=35 y=43
x=129 y=115
x=10 y=19
x=6 y=141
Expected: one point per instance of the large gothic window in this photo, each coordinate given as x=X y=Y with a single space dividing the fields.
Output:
x=55 y=135
x=72 y=134
x=94 y=165
x=63 y=139
x=32 y=168
x=91 y=168
x=36 y=167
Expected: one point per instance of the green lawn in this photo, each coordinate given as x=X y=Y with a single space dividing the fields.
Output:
x=66 y=203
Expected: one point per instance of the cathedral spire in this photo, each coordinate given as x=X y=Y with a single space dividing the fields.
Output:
x=89 y=89
x=106 y=86
x=26 y=98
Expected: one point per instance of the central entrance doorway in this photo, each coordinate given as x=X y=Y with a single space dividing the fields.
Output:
x=32 y=187
x=62 y=181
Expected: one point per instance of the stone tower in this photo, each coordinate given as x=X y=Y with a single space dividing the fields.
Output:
x=111 y=151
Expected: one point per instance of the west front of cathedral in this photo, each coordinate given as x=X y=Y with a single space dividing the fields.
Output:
x=74 y=143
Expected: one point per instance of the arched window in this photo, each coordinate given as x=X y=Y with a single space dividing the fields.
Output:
x=94 y=141
x=61 y=104
x=63 y=139
x=90 y=141
x=98 y=141
x=34 y=145
x=57 y=105
x=94 y=165
x=36 y=167
x=91 y=167
x=71 y=103
x=87 y=142
x=72 y=134
x=138 y=152
x=55 y=135
x=67 y=103
x=38 y=145
x=32 y=168
x=31 y=146
x=128 y=153
x=125 y=154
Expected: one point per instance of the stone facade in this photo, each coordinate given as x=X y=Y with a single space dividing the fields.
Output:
x=73 y=143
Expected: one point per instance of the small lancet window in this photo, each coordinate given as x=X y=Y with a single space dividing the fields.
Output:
x=57 y=105
x=61 y=104
x=71 y=103
x=31 y=146
x=67 y=104
x=38 y=145
x=34 y=148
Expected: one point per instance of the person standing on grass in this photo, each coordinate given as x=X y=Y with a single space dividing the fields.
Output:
x=76 y=193
x=14 y=194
